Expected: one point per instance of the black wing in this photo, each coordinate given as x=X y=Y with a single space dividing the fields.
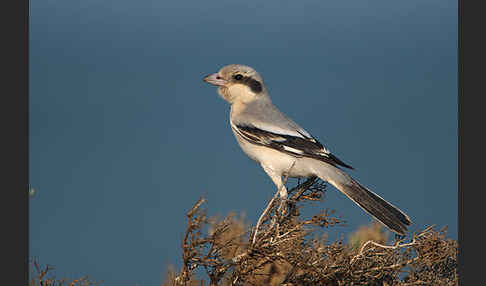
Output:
x=304 y=146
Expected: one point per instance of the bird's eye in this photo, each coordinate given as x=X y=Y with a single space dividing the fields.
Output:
x=238 y=77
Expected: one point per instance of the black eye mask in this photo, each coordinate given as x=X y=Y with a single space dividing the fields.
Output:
x=252 y=83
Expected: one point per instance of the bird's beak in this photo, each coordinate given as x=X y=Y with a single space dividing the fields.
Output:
x=215 y=79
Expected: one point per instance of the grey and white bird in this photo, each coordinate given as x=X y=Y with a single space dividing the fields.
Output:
x=283 y=148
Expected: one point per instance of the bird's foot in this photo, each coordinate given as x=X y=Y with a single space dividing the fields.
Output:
x=282 y=208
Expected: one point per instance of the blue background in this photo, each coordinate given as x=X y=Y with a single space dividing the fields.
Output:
x=125 y=136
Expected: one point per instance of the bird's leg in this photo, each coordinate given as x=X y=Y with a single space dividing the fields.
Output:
x=283 y=191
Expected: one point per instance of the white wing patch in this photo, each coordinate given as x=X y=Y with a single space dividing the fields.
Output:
x=293 y=150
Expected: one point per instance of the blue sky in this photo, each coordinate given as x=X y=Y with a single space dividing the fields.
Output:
x=125 y=136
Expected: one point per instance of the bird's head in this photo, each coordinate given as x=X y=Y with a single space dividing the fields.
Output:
x=237 y=83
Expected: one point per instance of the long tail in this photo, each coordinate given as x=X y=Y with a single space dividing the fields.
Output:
x=383 y=211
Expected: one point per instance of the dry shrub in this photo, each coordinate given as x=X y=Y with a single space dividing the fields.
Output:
x=284 y=250
x=44 y=276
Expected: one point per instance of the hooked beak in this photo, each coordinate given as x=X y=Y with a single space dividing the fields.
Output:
x=215 y=79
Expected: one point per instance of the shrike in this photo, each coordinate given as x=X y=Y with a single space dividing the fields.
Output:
x=283 y=148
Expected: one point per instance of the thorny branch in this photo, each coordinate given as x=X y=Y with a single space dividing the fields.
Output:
x=44 y=276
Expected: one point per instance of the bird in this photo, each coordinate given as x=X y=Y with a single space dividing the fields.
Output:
x=284 y=149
